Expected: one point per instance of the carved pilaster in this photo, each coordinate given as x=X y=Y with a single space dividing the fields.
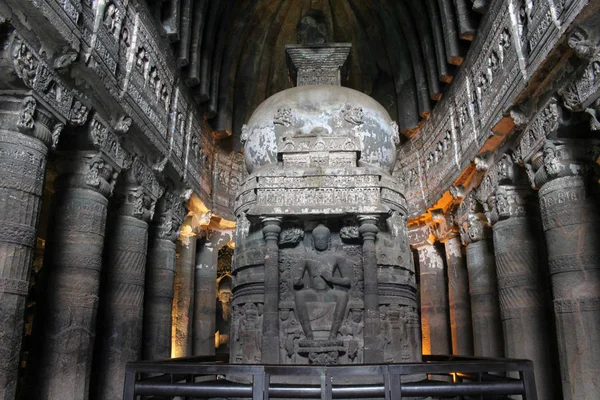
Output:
x=270 y=329
x=204 y=325
x=121 y=305
x=75 y=259
x=25 y=135
x=368 y=229
x=160 y=275
x=569 y=208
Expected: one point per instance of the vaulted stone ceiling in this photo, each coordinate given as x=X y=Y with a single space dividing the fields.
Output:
x=232 y=51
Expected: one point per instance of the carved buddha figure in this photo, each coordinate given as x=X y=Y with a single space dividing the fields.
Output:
x=323 y=268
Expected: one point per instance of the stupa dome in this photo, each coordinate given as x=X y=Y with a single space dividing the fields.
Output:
x=326 y=111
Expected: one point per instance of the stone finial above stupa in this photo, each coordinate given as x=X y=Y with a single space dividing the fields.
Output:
x=314 y=61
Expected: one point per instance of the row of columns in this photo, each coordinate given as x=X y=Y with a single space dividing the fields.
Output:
x=509 y=276
x=194 y=304
x=109 y=264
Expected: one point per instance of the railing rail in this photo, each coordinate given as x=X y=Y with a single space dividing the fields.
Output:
x=204 y=377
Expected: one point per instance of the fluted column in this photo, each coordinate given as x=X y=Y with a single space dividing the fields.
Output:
x=74 y=262
x=24 y=137
x=270 y=329
x=122 y=298
x=483 y=289
x=569 y=201
x=183 y=301
x=461 y=325
x=435 y=323
x=160 y=276
x=522 y=292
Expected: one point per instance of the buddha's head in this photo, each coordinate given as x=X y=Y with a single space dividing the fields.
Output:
x=321 y=236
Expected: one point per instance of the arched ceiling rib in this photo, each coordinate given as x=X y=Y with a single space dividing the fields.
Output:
x=232 y=51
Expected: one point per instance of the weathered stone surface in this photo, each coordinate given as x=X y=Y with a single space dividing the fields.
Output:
x=121 y=305
x=22 y=167
x=319 y=188
x=160 y=277
x=458 y=298
x=435 y=323
x=183 y=301
x=485 y=311
x=568 y=205
x=341 y=112
x=522 y=292
x=205 y=292
x=75 y=261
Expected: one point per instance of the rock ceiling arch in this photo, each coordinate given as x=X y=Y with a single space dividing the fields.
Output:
x=232 y=51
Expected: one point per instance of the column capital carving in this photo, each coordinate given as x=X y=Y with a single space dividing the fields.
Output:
x=368 y=226
x=36 y=121
x=87 y=170
x=271 y=227
x=513 y=201
x=444 y=225
x=139 y=191
x=170 y=212
x=25 y=113
x=102 y=137
x=215 y=239
x=504 y=172
x=475 y=228
x=561 y=158
x=490 y=209
x=421 y=236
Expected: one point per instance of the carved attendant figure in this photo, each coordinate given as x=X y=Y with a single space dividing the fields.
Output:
x=322 y=264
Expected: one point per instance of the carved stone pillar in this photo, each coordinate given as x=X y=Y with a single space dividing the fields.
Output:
x=368 y=229
x=483 y=288
x=461 y=325
x=270 y=332
x=183 y=302
x=522 y=293
x=435 y=323
x=569 y=201
x=74 y=263
x=25 y=135
x=121 y=303
x=160 y=275
x=207 y=254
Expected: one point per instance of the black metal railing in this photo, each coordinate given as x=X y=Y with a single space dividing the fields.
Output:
x=449 y=376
